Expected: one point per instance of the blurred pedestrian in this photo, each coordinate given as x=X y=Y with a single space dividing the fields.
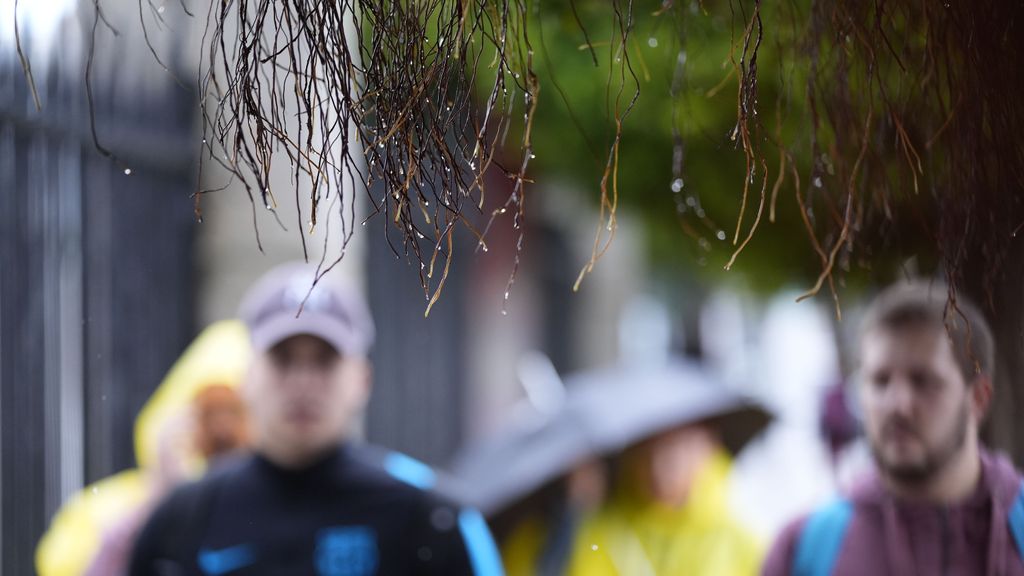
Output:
x=308 y=501
x=938 y=503
x=540 y=531
x=214 y=428
x=668 y=511
x=95 y=528
x=220 y=421
x=536 y=476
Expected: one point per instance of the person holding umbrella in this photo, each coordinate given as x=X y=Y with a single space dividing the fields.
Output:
x=536 y=476
x=541 y=478
x=675 y=431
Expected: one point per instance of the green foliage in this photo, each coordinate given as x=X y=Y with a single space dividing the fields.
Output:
x=574 y=128
x=849 y=100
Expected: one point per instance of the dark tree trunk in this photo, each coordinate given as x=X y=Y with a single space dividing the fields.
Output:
x=1003 y=304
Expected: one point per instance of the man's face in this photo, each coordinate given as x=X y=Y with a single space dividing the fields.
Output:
x=918 y=410
x=303 y=397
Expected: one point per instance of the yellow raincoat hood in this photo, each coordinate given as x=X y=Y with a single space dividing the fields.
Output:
x=219 y=355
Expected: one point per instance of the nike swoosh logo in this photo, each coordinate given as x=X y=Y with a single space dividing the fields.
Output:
x=217 y=562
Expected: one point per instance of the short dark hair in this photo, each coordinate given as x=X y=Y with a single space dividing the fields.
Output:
x=920 y=303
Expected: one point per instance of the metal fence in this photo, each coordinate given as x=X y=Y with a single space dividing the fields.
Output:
x=95 y=282
x=419 y=363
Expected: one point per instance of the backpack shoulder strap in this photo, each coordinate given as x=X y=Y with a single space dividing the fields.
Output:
x=1015 y=517
x=410 y=471
x=821 y=539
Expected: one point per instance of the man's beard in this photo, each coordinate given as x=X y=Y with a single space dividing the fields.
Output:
x=934 y=461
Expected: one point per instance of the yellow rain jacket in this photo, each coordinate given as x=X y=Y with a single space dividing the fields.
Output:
x=219 y=355
x=522 y=547
x=702 y=538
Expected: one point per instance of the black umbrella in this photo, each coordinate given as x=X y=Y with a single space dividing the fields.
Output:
x=537 y=444
x=626 y=404
x=604 y=411
x=528 y=452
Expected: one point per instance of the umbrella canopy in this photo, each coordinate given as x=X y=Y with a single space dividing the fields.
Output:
x=532 y=449
x=626 y=404
x=604 y=412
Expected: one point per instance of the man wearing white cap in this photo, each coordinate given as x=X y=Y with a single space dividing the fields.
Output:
x=309 y=501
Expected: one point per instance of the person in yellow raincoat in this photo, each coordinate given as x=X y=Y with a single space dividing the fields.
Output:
x=670 y=428
x=668 y=514
x=189 y=415
x=538 y=539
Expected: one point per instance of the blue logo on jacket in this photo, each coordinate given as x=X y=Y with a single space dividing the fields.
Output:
x=347 y=551
x=224 y=560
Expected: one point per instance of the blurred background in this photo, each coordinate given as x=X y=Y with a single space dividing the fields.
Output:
x=107 y=274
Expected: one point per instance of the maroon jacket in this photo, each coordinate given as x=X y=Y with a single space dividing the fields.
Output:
x=890 y=537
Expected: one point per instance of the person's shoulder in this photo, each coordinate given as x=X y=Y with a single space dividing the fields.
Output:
x=170 y=533
x=376 y=468
x=1003 y=478
x=779 y=560
x=224 y=470
x=186 y=498
x=364 y=468
x=456 y=535
x=819 y=532
x=412 y=489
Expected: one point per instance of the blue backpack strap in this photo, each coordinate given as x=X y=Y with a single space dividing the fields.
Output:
x=410 y=471
x=483 y=552
x=1016 y=520
x=821 y=539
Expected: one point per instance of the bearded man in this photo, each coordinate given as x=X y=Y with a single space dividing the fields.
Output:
x=938 y=502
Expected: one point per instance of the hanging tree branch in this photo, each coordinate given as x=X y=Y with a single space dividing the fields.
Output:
x=373 y=93
x=911 y=120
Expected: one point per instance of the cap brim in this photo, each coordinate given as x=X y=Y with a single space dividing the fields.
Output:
x=281 y=327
